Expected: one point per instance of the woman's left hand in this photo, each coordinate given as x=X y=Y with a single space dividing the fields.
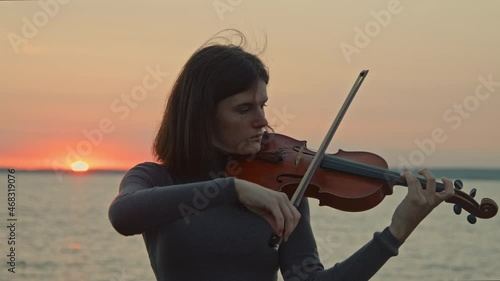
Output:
x=418 y=203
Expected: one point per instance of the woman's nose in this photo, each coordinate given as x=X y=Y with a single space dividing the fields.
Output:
x=260 y=119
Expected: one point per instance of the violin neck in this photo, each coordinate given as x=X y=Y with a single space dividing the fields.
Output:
x=335 y=163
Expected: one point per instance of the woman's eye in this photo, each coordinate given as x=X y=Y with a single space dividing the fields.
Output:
x=244 y=109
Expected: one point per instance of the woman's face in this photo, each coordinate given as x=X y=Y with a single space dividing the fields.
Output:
x=238 y=119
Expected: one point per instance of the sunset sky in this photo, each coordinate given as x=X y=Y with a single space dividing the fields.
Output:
x=432 y=97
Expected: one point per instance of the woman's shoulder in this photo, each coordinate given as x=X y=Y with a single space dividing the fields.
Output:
x=149 y=167
x=152 y=172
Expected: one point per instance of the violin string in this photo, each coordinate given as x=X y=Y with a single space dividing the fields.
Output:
x=357 y=168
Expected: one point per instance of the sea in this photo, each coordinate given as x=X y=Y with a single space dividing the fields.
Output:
x=61 y=232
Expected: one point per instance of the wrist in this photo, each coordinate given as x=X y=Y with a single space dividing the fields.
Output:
x=398 y=232
x=238 y=185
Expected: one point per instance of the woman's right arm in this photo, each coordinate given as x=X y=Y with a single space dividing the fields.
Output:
x=148 y=198
x=142 y=204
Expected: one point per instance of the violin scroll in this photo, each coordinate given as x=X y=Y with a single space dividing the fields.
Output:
x=487 y=209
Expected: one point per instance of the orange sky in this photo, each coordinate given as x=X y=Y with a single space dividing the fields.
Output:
x=66 y=66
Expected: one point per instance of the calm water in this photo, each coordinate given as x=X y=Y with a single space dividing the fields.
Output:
x=63 y=233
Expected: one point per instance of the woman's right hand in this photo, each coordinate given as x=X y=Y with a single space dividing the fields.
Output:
x=273 y=206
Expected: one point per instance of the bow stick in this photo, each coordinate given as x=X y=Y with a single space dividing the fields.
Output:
x=275 y=240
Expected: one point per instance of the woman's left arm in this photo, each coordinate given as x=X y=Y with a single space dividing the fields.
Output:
x=299 y=259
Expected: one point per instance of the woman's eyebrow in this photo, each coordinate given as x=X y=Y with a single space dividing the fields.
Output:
x=250 y=103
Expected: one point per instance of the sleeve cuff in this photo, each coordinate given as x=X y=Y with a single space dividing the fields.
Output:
x=388 y=241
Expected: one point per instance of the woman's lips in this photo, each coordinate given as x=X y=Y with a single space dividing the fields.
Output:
x=256 y=137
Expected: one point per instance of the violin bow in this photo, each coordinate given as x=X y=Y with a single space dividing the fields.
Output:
x=275 y=240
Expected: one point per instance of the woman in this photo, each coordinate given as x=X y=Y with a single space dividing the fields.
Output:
x=198 y=225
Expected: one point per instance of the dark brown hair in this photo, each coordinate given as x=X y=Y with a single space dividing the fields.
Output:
x=183 y=143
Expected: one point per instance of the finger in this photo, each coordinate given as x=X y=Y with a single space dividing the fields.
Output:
x=275 y=210
x=296 y=215
x=412 y=183
x=286 y=209
x=295 y=218
x=430 y=185
x=448 y=191
x=289 y=226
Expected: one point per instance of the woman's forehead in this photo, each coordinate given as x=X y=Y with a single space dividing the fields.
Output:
x=255 y=95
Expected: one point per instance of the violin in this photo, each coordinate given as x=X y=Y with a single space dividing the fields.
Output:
x=351 y=181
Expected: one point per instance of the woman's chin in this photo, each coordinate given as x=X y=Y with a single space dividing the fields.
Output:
x=252 y=148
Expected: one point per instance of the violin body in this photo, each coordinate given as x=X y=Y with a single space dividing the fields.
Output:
x=290 y=159
x=348 y=181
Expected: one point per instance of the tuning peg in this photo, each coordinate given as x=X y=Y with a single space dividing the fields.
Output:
x=471 y=219
x=472 y=193
x=458 y=184
x=457 y=209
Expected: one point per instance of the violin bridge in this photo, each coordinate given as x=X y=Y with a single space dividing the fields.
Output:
x=299 y=156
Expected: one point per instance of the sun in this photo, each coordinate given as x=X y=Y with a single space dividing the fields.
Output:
x=79 y=166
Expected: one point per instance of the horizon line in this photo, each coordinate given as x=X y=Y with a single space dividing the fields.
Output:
x=124 y=170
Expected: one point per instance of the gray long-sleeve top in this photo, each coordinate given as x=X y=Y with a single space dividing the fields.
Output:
x=199 y=231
